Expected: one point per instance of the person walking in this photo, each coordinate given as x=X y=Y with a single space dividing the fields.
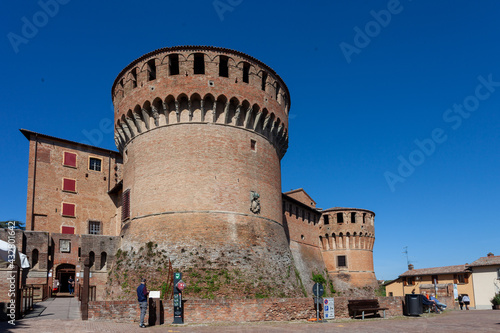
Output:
x=461 y=302
x=142 y=298
x=466 y=300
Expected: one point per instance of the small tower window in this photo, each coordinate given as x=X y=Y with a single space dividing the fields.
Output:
x=364 y=217
x=340 y=218
x=277 y=90
x=199 y=63
x=151 y=70
x=246 y=71
x=223 y=66
x=264 y=81
x=253 y=144
x=134 y=78
x=173 y=64
x=326 y=220
x=353 y=217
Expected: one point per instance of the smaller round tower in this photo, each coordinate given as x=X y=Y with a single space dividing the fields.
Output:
x=346 y=237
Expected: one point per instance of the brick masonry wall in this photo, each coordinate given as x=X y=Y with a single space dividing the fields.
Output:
x=223 y=310
x=91 y=198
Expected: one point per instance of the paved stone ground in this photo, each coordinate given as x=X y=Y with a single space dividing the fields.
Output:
x=59 y=315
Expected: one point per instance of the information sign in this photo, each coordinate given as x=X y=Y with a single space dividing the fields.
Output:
x=329 y=308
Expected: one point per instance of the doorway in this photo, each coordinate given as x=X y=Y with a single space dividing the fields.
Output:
x=63 y=273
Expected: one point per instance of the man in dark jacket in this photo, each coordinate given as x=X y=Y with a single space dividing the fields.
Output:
x=142 y=297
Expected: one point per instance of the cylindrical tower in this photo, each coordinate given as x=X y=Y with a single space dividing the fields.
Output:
x=202 y=131
x=347 y=236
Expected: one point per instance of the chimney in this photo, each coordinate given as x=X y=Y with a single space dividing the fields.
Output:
x=410 y=267
x=491 y=254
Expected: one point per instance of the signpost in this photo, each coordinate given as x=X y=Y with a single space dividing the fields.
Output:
x=179 y=285
x=329 y=308
x=318 y=291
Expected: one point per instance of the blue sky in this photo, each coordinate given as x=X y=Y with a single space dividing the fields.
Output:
x=368 y=79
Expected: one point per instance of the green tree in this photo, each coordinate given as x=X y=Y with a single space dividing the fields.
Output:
x=17 y=224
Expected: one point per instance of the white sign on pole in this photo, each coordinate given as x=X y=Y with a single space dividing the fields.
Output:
x=154 y=294
x=329 y=308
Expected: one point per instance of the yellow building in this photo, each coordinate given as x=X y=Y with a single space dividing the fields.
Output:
x=437 y=280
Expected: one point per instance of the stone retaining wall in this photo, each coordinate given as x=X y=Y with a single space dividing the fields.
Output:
x=244 y=310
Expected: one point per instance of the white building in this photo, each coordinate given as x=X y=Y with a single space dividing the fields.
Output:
x=486 y=279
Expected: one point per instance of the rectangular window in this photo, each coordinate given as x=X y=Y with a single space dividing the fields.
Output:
x=94 y=227
x=69 y=159
x=68 y=230
x=253 y=144
x=460 y=278
x=151 y=70
x=173 y=64
x=264 y=81
x=498 y=274
x=69 y=185
x=277 y=91
x=326 y=219
x=246 y=72
x=126 y=205
x=340 y=218
x=353 y=217
x=341 y=261
x=95 y=164
x=199 y=63
x=391 y=294
x=411 y=281
x=223 y=66
x=68 y=209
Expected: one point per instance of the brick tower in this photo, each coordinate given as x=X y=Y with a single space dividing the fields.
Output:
x=347 y=236
x=202 y=131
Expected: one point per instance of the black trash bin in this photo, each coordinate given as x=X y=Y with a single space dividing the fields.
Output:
x=414 y=306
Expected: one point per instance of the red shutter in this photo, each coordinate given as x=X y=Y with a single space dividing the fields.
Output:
x=68 y=209
x=68 y=230
x=126 y=205
x=69 y=185
x=69 y=159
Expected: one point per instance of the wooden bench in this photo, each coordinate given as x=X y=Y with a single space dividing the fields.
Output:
x=362 y=306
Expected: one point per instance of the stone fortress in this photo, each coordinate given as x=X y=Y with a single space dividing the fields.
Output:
x=200 y=131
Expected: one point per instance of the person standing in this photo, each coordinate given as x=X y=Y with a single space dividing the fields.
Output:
x=142 y=298
x=466 y=300
x=461 y=302
x=71 y=285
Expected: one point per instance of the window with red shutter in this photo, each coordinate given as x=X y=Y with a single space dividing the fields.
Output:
x=126 y=205
x=69 y=159
x=68 y=209
x=69 y=185
x=68 y=230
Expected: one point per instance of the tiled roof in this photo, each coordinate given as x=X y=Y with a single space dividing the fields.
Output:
x=28 y=133
x=435 y=270
x=486 y=261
